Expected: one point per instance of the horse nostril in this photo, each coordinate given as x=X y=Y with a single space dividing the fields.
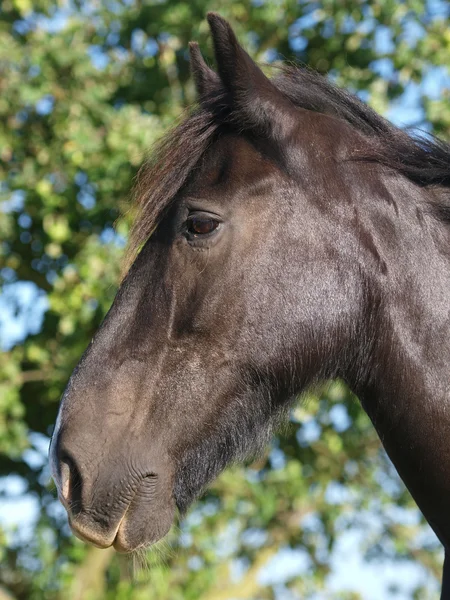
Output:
x=65 y=480
x=70 y=483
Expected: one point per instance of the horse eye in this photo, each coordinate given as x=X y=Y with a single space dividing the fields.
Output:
x=201 y=225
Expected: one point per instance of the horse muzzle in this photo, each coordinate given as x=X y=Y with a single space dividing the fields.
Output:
x=112 y=501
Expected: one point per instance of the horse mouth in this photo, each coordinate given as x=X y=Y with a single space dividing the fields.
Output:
x=146 y=519
x=91 y=535
x=127 y=537
x=99 y=539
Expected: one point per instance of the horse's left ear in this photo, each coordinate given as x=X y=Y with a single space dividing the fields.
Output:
x=207 y=82
x=257 y=103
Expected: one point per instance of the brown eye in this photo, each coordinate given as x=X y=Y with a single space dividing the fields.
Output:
x=201 y=225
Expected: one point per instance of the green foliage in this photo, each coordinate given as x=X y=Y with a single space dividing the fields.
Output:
x=86 y=88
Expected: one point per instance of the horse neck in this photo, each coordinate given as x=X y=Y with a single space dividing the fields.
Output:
x=410 y=328
x=407 y=390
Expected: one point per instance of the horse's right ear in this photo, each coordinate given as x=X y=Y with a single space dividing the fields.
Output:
x=256 y=102
x=207 y=82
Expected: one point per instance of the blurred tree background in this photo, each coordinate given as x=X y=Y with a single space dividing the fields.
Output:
x=85 y=89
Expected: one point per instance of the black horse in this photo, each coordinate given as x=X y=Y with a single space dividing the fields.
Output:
x=286 y=234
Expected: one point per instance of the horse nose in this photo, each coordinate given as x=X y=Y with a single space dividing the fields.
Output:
x=66 y=474
x=65 y=468
x=70 y=482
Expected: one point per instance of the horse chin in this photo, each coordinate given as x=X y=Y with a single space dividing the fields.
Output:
x=143 y=525
x=132 y=537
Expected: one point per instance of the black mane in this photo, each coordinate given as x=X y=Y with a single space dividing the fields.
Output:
x=423 y=160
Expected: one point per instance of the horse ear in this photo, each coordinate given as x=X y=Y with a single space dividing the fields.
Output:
x=255 y=98
x=207 y=82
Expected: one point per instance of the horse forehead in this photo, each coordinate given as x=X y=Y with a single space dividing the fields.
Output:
x=232 y=162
